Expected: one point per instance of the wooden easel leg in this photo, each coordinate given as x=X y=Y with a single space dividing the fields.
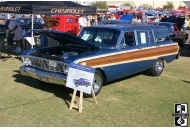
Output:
x=73 y=99
x=93 y=95
x=80 y=102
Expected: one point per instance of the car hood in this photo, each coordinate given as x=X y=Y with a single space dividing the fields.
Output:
x=178 y=21
x=65 y=38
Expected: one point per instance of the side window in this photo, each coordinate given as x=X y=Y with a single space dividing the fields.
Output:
x=130 y=38
x=143 y=37
x=161 y=35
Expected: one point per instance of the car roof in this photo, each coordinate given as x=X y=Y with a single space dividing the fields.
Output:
x=115 y=21
x=167 y=23
x=129 y=27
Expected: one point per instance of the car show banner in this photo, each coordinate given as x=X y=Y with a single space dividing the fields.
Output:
x=80 y=78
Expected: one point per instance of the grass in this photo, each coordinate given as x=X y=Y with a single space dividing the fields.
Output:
x=140 y=100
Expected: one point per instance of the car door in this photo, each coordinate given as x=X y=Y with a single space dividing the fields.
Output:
x=146 y=46
x=128 y=55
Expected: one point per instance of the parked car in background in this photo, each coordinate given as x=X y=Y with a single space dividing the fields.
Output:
x=66 y=23
x=114 y=51
x=114 y=22
x=174 y=26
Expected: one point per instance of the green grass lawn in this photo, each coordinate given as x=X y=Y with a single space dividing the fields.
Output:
x=140 y=100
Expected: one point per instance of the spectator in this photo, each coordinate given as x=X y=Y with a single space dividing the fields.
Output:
x=99 y=18
x=156 y=19
x=113 y=17
x=87 y=21
x=82 y=21
x=18 y=33
x=134 y=20
x=103 y=16
x=138 y=20
x=144 y=19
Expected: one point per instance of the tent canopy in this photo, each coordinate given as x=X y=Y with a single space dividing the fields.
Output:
x=45 y=7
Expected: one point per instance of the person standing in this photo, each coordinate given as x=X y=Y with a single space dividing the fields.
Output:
x=135 y=20
x=144 y=19
x=82 y=21
x=18 y=33
x=113 y=17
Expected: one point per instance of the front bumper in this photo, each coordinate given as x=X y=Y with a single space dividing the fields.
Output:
x=42 y=75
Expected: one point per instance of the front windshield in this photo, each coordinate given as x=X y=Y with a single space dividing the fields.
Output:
x=100 y=36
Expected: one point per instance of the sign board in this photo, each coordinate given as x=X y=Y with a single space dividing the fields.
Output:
x=143 y=38
x=80 y=78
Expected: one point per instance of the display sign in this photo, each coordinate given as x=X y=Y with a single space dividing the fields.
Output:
x=65 y=11
x=80 y=78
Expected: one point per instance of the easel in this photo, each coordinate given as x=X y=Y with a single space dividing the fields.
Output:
x=79 y=107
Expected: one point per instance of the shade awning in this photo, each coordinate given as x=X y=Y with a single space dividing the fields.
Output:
x=45 y=7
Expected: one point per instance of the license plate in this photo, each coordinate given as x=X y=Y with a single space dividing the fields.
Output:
x=52 y=64
x=43 y=78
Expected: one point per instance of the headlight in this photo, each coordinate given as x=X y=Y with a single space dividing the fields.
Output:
x=27 y=61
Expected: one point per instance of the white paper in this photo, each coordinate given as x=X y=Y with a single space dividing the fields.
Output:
x=80 y=80
x=85 y=36
x=30 y=40
x=143 y=38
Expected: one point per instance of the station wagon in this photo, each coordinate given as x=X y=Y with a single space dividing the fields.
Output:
x=114 y=51
x=81 y=81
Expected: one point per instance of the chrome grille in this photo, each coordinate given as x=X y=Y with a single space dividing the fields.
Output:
x=46 y=64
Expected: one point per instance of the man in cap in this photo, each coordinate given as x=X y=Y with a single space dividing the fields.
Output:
x=18 y=33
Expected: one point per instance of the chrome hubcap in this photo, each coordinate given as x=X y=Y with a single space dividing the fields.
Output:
x=159 y=66
x=96 y=83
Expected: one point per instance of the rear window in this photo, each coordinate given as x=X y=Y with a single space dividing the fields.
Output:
x=161 y=35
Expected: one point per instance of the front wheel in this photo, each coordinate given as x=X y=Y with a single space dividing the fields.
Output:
x=97 y=84
x=157 y=68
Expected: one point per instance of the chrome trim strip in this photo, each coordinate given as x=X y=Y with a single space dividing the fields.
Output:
x=48 y=77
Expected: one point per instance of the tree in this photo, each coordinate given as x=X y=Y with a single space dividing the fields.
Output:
x=127 y=4
x=99 y=4
x=168 y=5
x=147 y=7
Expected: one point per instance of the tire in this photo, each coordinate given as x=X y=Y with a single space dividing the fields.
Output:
x=97 y=84
x=157 y=68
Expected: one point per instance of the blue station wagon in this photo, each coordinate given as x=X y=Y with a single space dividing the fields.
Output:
x=114 y=51
x=82 y=82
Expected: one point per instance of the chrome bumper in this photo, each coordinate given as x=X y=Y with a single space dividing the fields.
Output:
x=42 y=75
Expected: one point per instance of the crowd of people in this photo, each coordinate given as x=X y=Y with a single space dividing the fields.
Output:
x=138 y=18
